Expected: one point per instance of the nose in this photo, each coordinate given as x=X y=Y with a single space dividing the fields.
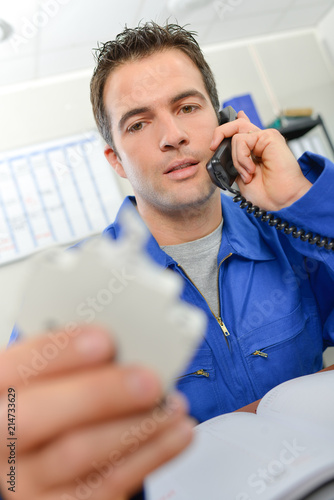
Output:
x=172 y=134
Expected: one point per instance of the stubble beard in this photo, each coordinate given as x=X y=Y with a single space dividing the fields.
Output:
x=172 y=204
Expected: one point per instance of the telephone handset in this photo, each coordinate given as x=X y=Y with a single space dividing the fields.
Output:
x=223 y=174
x=221 y=169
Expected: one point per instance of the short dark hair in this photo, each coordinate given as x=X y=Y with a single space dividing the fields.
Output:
x=135 y=43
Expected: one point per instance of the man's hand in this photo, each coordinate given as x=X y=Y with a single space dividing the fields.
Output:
x=85 y=426
x=269 y=175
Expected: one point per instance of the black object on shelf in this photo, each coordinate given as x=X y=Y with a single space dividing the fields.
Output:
x=297 y=127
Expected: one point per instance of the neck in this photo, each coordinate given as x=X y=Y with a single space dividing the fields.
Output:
x=182 y=226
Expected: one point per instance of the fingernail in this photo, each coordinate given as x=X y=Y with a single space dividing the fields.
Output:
x=93 y=344
x=182 y=433
x=176 y=403
x=143 y=383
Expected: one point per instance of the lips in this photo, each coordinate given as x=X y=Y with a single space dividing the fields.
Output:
x=180 y=165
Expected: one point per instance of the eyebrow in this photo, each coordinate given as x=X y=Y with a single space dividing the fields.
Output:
x=188 y=93
x=130 y=114
x=174 y=100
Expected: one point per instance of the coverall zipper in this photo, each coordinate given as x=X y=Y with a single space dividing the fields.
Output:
x=200 y=372
x=219 y=319
x=259 y=352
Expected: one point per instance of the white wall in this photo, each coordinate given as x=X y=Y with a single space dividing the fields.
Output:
x=283 y=71
x=44 y=109
x=280 y=72
x=325 y=34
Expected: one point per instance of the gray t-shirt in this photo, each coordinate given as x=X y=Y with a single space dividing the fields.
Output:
x=199 y=261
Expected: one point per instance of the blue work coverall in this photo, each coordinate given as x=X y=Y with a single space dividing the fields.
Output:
x=276 y=300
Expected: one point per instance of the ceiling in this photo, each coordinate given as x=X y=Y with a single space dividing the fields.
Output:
x=57 y=36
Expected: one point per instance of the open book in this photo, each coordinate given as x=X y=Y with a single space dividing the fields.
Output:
x=284 y=452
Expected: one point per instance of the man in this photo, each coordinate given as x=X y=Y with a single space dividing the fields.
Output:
x=156 y=105
x=268 y=297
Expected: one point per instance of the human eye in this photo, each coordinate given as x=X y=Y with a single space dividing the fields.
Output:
x=188 y=108
x=136 y=127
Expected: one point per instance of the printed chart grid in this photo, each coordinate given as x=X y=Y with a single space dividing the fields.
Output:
x=54 y=193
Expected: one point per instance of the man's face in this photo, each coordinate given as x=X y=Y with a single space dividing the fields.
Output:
x=162 y=126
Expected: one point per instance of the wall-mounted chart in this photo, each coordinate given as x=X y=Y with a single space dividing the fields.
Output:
x=54 y=193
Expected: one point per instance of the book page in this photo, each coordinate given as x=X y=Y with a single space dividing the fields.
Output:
x=307 y=399
x=242 y=456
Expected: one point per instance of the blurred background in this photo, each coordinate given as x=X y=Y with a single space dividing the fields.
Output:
x=279 y=52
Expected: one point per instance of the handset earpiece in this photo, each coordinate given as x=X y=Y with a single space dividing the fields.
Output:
x=220 y=167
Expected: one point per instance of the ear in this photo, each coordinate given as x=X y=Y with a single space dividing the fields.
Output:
x=114 y=161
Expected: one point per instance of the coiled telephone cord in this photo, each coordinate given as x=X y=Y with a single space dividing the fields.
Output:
x=319 y=241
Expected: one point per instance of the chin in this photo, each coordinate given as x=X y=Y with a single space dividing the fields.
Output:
x=198 y=198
